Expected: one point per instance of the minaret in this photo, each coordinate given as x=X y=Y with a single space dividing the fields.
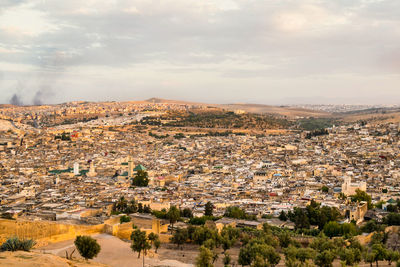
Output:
x=76 y=168
x=130 y=166
x=92 y=171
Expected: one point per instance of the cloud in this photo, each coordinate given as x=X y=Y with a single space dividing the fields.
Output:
x=254 y=41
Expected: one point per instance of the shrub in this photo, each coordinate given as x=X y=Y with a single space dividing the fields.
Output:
x=87 y=246
x=124 y=219
x=14 y=244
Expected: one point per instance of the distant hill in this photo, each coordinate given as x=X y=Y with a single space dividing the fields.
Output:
x=290 y=112
x=251 y=108
x=169 y=101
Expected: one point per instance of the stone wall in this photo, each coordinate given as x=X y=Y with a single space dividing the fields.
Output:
x=44 y=232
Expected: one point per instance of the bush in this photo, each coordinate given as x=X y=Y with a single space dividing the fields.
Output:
x=124 y=219
x=14 y=244
x=87 y=246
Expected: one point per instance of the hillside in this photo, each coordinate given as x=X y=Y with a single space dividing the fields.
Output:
x=6 y=125
x=156 y=100
x=28 y=259
x=290 y=112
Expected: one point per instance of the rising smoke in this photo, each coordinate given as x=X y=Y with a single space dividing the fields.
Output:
x=41 y=95
x=16 y=100
x=51 y=68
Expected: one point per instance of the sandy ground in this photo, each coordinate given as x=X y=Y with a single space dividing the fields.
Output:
x=114 y=252
x=30 y=259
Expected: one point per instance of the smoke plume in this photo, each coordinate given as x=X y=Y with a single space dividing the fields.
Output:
x=16 y=100
x=44 y=93
x=52 y=66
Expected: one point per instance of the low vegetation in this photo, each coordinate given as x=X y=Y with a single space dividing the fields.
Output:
x=14 y=244
x=87 y=246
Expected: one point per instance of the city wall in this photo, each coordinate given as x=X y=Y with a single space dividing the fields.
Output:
x=44 y=232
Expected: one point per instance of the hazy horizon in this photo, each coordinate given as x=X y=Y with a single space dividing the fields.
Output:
x=226 y=51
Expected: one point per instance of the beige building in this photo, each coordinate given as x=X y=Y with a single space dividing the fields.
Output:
x=349 y=188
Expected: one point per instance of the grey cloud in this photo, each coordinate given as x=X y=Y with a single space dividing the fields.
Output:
x=260 y=39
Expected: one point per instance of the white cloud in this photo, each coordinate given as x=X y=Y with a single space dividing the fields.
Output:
x=23 y=20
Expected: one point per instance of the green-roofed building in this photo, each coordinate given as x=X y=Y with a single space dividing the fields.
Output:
x=69 y=170
x=61 y=171
x=140 y=167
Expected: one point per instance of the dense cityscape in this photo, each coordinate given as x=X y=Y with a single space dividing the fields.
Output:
x=186 y=133
x=113 y=165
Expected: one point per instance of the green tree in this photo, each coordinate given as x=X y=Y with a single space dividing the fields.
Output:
x=235 y=212
x=226 y=242
x=140 y=242
x=362 y=196
x=392 y=256
x=201 y=234
x=141 y=179
x=180 y=236
x=205 y=257
x=121 y=205
x=249 y=253
x=209 y=209
x=227 y=259
x=391 y=208
x=187 y=213
x=348 y=230
x=282 y=216
x=146 y=209
x=300 y=220
x=259 y=262
x=369 y=257
x=392 y=219
x=304 y=254
x=332 y=229
x=228 y=237
x=380 y=253
x=378 y=238
x=140 y=208
x=324 y=258
x=173 y=215
x=284 y=239
x=322 y=243
x=371 y=226
x=325 y=189
x=87 y=246
x=157 y=244
x=131 y=207
x=152 y=237
x=348 y=256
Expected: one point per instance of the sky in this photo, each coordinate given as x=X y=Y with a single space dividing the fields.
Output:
x=215 y=51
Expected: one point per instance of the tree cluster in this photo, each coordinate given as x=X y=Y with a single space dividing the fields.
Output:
x=141 y=179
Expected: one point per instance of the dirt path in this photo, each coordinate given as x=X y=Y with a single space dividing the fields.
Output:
x=114 y=252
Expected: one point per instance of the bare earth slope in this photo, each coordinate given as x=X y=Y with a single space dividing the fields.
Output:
x=252 y=108
x=6 y=125
x=279 y=110
x=28 y=259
